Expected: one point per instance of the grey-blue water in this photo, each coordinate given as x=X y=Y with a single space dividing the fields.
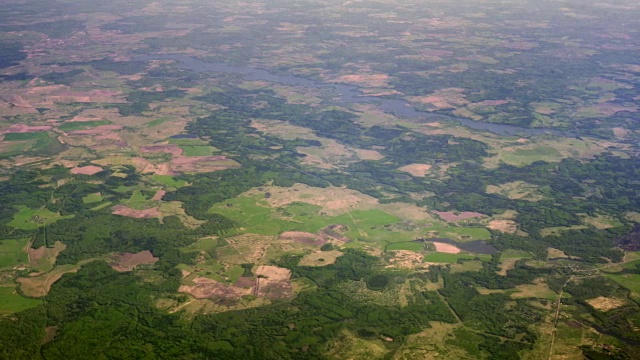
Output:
x=348 y=94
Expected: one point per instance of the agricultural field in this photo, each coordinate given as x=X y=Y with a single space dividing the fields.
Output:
x=318 y=179
x=28 y=219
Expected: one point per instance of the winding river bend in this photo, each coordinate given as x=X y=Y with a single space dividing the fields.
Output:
x=349 y=94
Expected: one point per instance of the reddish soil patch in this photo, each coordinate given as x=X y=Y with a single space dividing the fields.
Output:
x=302 y=237
x=200 y=163
x=98 y=96
x=158 y=196
x=573 y=324
x=605 y=304
x=450 y=216
x=418 y=170
x=49 y=334
x=620 y=132
x=333 y=233
x=373 y=80
x=86 y=170
x=98 y=130
x=22 y=128
x=273 y=282
x=504 y=225
x=138 y=214
x=612 y=109
x=444 y=99
x=245 y=282
x=128 y=261
x=174 y=150
x=330 y=233
x=18 y=101
x=205 y=288
x=446 y=248
x=145 y=166
x=406 y=259
x=36 y=254
x=490 y=103
x=273 y=273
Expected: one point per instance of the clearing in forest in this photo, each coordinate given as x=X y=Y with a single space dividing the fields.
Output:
x=39 y=285
x=86 y=170
x=43 y=258
x=602 y=303
x=503 y=225
x=517 y=190
x=417 y=170
x=451 y=216
x=446 y=248
x=320 y=258
x=129 y=261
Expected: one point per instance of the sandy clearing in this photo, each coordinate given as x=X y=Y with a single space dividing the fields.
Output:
x=145 y=166
x=301 y=237
x=273 y=282
x=38 y=256
x=98 y=130
x=274 y=273
x=19 y=101
x=506 y=265
x=418 y=170
x=200 y=164
x=372 y=80
x=605 y=304
x=489 y=103
x=123 y=210
x=443 y=99
x=620 y=132
x=129 y=261
x=446 y=248
x=450 y=216
x=174 y=150
x=538 y=289
x=205 y=288
x=406 y=259
x=320 y=258
x=158 y=196
x=86 y=170
x=40 y=285
x=553 y=253
x=23 y=128
x=365 y=154
x=503 y=225
x=249 y=248
x=333 y=200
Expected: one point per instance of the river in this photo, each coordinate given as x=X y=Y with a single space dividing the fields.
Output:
x=349 y=94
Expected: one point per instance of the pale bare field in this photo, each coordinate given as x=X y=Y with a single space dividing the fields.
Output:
x=418 y=170
x=451 y=216
x=86 y=170
x=503 y=225
x=320 y=258
x=606 y=303
x=43 y=258
x=124 y=210
x=446 y=248
x=538 y=289
x=129 y=261
x=39 y=285
x=406 y=259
